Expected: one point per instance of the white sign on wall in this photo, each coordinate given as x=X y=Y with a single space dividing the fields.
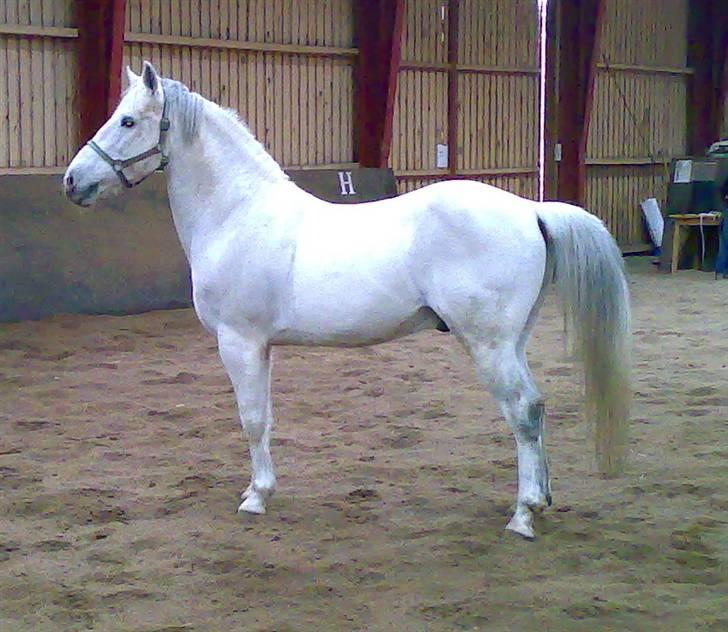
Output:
x=441 y=156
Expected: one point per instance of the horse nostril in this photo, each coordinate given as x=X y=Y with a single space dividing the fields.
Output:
x=69 y=185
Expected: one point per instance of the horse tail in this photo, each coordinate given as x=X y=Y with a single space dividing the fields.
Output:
x=585 y=264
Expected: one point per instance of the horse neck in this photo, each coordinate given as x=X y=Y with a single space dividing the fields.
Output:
x=222 y=172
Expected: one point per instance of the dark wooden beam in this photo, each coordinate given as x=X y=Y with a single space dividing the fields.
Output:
x=100 y=50
x=379 y=35
x=579 y=28
x=551 y=127
x=453 y=13
x=707 y=51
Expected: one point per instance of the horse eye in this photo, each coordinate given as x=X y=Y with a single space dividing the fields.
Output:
x=127 y=121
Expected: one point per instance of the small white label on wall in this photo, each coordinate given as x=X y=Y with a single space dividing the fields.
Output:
x=557 y=152
x=441 y=156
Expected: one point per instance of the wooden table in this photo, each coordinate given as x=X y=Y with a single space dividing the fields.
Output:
x=688 y=220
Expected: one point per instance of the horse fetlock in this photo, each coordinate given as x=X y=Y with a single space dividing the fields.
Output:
x=263 y=489
x=263 y=484
x=536 y=502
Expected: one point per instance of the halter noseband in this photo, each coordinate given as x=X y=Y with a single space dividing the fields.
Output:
x=119 y=165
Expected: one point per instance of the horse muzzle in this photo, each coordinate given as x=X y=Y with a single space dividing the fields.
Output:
x=81 y=195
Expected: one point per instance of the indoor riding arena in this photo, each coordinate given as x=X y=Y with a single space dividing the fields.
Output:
x=122 y=457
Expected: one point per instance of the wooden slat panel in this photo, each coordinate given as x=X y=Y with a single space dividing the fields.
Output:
x=498 y=33
x=497 y=126
x=525 y=185
x=497 y=91
x=639 y=114
x=296 y=22
x=299 y=106
x=38 y=12
x=611 y=191
x=420 y=113
x=38 y=128
x=420 y=119
x=648 y=32
x=425 y=32
x=287 y=101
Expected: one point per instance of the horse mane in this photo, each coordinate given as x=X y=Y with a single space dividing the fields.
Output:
x=189 y=105
x=186 y=104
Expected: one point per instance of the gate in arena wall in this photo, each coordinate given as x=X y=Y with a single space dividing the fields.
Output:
x=639 y=114
x=468 y=94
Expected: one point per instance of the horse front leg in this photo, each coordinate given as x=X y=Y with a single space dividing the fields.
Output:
x=247 y=361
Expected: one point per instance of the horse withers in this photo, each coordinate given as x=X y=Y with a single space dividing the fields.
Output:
x=273 y=265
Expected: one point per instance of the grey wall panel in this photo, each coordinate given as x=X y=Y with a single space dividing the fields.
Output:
x=120 y=256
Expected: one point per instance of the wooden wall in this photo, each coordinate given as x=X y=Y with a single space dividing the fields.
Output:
x=38 y=88
x=286 y=65
x=639 y=119
x=496 y=88
x=421 y=108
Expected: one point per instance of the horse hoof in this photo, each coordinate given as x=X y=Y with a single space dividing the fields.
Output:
x=247 y=492
x=524 y=531
x=252 y=505
x=521 y=524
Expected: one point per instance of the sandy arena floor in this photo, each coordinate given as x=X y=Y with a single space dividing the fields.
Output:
x=122 y=460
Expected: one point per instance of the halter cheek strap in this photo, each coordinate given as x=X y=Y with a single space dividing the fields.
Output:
x=118 y=165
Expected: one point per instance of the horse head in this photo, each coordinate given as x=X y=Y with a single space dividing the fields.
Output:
x=129 y=146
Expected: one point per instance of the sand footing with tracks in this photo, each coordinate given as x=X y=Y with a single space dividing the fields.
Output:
x=122 y=461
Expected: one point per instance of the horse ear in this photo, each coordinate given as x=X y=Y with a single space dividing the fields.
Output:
x=150 y=77
x=131 y=76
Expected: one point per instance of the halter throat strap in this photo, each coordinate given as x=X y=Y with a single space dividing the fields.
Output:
x=118 y=165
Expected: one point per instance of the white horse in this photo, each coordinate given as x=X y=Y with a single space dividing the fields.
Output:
x=273 y=265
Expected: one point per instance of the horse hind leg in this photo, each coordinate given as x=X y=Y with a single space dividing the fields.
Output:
x=534 y=485
x=505 y=373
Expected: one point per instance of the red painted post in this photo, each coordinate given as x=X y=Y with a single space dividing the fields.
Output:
x=100 y=50
x=380 y=24
x=579 y=27
x=116 y=54
x=551 y=130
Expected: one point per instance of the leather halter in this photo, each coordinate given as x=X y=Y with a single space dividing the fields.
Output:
x=119 y=165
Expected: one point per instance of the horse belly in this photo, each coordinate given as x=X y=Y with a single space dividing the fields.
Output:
x=353 y=312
